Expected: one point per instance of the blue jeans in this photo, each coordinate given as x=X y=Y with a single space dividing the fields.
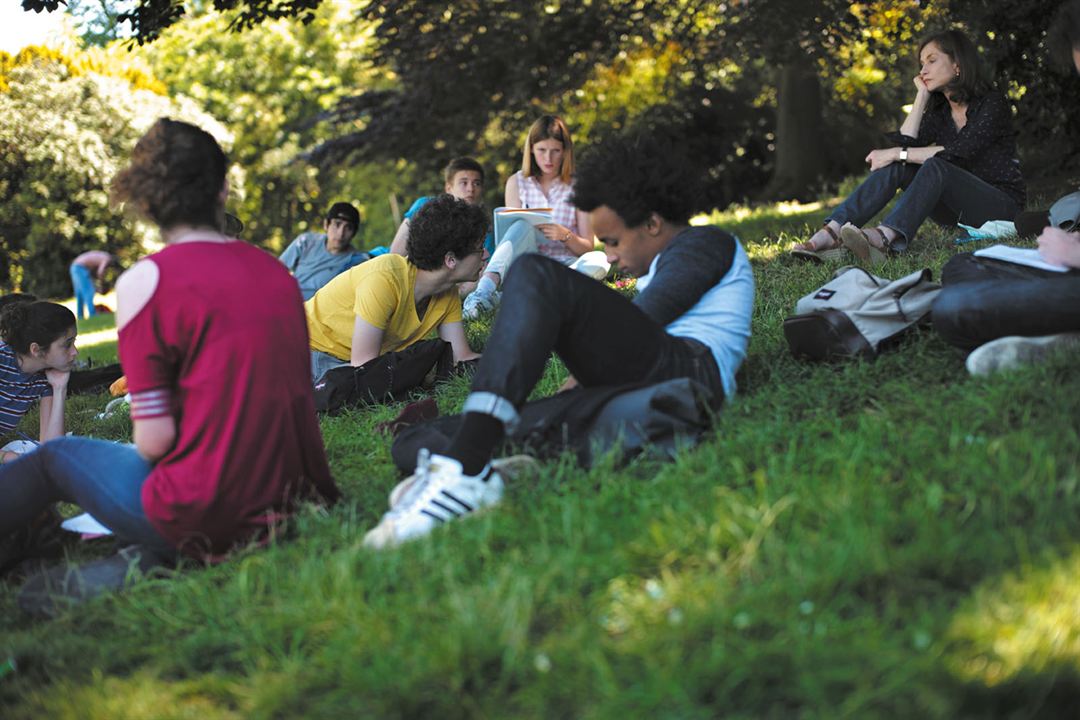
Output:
x=522 y=238
x=83 y=285
x=321 y=362
x=984 y=299
x=104 y=478
x=937 y=189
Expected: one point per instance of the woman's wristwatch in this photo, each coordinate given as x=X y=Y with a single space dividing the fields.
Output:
x=567 y=236
x=903 y=155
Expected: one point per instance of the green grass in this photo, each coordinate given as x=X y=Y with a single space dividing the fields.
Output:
x=885 y=539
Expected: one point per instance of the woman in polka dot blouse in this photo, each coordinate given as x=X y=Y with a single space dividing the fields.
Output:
x=954 y=158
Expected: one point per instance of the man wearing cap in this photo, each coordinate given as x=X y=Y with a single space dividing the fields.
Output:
x=316 y=258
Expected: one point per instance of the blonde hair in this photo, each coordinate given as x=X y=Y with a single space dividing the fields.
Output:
x=549 y=127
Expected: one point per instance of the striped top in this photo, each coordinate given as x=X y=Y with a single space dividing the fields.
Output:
x=563 y=211
x=18 y=391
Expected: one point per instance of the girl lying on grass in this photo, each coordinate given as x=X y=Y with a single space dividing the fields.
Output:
x=213 y=341
x=37 y=352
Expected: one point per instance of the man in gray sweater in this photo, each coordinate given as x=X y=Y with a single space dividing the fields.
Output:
x=316 y=258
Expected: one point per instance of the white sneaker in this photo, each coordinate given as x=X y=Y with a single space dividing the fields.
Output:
x=436 y=493
x=1014 y=351
x=508 y=468
x=478 y=302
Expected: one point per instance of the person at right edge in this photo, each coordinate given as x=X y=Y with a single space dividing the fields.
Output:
x=691 y=319
x=1008 y=315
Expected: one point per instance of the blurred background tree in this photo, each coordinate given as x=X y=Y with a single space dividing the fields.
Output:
x=361 y=101
x=67 y=124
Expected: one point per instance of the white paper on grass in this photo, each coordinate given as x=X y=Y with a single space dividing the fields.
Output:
x=85 y=524
x=1019 y=256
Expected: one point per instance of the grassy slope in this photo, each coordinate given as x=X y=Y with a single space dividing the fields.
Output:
x=888 y=539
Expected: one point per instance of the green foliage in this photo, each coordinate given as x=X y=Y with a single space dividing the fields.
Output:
x=264 y=85
x=65 y=130
x=886 y=539
x=1012 y=38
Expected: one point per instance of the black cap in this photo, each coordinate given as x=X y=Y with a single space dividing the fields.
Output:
x=344 y=211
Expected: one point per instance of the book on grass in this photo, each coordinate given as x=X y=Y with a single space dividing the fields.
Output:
x=506 y=216
x=1019 y=256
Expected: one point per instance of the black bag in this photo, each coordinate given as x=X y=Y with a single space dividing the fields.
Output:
x=588 y=421
x=387 y=377
x=94 y=380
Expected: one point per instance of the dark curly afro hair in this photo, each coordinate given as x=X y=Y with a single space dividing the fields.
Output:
x=636 y=174
x=445 y=225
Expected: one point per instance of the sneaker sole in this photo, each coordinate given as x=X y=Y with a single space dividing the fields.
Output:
x=1011 y=352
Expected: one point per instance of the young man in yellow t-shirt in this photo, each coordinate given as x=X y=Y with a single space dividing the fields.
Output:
x=391 y=302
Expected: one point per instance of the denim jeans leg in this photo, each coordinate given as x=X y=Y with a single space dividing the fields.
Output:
x=104 y=478
x=603 y=338
x=949 y=194
x=83 y=287
x=519 y=239
x=321 y=362
x=984 y=300
x=873 y=194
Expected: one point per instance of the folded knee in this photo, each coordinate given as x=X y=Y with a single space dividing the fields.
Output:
x=530 y=267
x=953 y=310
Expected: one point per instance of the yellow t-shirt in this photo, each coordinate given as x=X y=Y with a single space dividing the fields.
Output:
x=381 y=292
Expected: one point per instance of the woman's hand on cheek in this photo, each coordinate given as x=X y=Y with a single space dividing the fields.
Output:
x=58 y=379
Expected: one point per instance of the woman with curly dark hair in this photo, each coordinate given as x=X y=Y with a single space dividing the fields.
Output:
x=954 y=158
x=213 y=341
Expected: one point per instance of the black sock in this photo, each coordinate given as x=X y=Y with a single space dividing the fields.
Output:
x=475 y=441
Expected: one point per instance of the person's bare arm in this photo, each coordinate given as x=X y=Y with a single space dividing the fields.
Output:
x=366 y=342
x=52 y=407
x=454 y=333
x=133 y=290
x=573 y=242
x=911 y=124
x=401 y=239
x=154 y=437
x=884 y=157
x=1060 y=247
x=512 y=195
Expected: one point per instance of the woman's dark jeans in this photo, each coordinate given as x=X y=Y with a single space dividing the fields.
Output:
x=936 y=189
x=603 y=337
x=983 y=300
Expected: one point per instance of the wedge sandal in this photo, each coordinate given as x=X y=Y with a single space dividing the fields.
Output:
x=833 y=253
x=857 y=240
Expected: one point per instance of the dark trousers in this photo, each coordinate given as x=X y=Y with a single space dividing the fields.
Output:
x=983 y=300
x=936 y=189
x=603 y=337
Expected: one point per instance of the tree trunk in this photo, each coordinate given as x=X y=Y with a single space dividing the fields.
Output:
x=800 y=149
